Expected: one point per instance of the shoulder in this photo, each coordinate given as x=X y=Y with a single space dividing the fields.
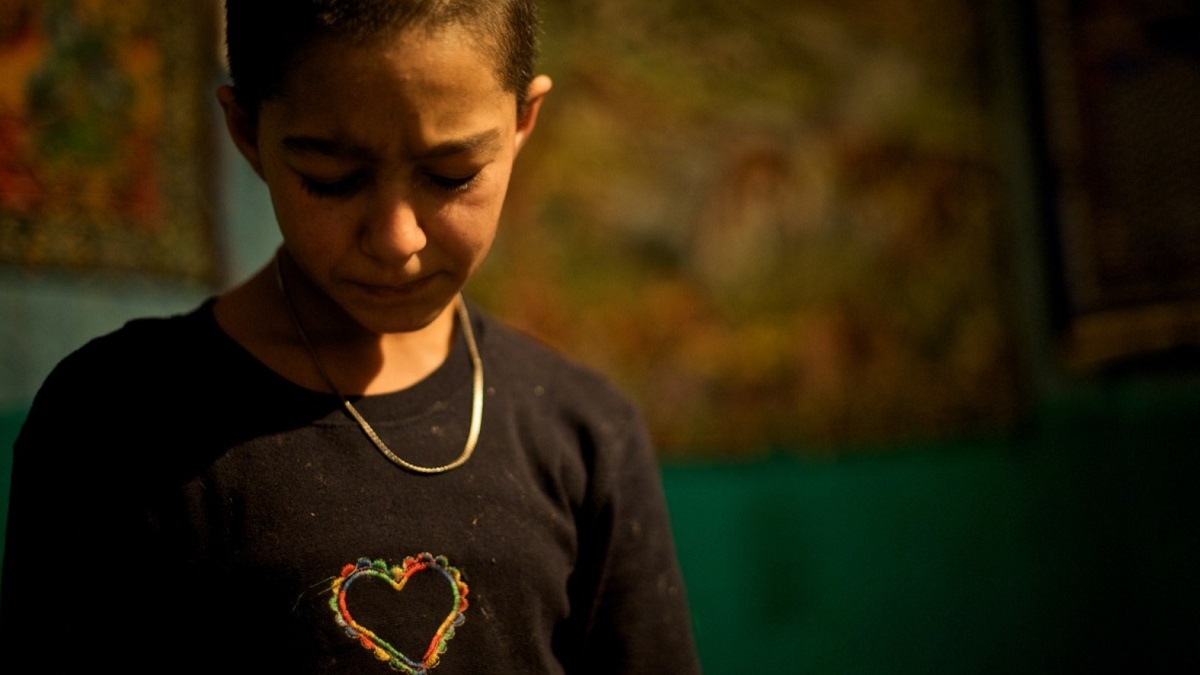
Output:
x=156 y=384
x=147 y=337
x=129 y=372
x=140 y=351
x=565 y=415
x=526 y=366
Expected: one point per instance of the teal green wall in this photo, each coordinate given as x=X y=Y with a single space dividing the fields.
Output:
x=1071 y=545
x=10 y=422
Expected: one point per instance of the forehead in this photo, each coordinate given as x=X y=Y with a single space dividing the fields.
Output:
x=426 y=39
x=413 y=88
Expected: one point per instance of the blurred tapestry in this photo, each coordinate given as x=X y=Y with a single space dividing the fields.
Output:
x=1122 y=93
x=104 y=136
x=776 y=224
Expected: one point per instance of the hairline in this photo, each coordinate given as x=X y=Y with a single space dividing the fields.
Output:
x=491 y=45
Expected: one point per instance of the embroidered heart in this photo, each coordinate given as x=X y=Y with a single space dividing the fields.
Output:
x=397 y=576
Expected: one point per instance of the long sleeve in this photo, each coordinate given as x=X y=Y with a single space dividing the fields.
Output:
x=86 y=574
x=638 y=620
x=67 y=522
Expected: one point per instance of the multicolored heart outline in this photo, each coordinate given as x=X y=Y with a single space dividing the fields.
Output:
x=397 y=576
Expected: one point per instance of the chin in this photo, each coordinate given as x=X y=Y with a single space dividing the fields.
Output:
x=399 y=320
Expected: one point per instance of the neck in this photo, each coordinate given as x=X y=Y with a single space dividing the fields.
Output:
x=358 y=361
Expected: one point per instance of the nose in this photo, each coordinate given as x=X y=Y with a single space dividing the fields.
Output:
x=393 y=232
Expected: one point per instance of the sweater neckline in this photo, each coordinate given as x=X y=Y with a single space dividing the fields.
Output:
x=452 y=377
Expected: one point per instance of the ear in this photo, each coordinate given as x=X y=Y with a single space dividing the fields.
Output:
x=534 y=96
x=242 y=126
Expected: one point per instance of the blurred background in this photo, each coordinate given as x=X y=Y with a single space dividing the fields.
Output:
x=909 y=292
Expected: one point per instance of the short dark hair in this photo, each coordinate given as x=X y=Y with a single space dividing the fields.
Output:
x=263 y=38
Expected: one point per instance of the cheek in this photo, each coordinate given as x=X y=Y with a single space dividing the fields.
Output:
x=469 y=224
x=299 y=213
x=311 y=229
x=464 y=231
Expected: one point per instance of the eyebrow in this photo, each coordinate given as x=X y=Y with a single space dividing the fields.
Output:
x=344 y=149
x=484 y=140
x=329 y=147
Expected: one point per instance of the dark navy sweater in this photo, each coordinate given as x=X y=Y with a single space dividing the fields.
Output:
x=177 y=506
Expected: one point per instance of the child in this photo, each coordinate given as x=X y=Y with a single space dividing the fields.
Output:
x=340 y=465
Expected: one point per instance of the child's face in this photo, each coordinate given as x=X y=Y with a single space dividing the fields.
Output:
x=387 y=167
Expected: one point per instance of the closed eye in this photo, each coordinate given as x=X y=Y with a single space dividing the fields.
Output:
x=452 y=183
x=335 y=188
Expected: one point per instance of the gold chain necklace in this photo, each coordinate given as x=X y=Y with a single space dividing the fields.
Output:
x=464 y=320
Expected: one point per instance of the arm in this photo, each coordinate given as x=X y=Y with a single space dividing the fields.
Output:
x=639 y=620
x=54 y=520
x=79 y=563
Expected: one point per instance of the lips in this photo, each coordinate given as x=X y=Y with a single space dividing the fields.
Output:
x=393 y=290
